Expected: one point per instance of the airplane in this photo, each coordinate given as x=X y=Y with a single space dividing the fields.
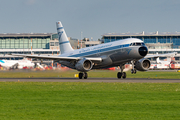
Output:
x=16 y=64
x=161 y=64
x=156 y=56
x=112 y=54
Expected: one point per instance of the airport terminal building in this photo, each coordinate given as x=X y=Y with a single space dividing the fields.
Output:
x=156 y=42
x=30 y=43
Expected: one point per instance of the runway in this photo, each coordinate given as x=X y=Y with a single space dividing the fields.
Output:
x=108 y=80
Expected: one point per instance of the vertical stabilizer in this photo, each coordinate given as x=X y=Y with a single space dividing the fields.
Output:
x=64 y=43
x=157 y=60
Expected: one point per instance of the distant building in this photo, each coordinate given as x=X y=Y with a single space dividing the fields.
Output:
x=31 y=43
x=92 y=43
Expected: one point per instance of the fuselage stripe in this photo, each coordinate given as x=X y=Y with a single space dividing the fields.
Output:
x=100 y=50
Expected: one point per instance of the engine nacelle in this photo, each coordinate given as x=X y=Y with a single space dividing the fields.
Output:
x=84 y=65
x=143 y=64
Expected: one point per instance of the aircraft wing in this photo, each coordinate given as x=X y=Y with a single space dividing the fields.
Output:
x=161 y=55
x=58 y=58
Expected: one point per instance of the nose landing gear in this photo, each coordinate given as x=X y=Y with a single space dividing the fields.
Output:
x=133 y=70
x=83 y=75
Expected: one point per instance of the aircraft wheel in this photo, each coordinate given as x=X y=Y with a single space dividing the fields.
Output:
x=80 y=75
x=85 y=75
x=119 y=74
x=123 y=75
x=132 y=71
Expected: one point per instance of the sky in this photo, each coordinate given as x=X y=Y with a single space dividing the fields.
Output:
x=89 y=18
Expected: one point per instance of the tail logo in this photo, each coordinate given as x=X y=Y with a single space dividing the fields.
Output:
x=60 y=34
x=2 y=61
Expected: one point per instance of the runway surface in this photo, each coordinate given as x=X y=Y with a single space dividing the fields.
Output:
x=127 y=80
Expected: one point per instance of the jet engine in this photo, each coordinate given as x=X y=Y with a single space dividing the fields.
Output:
x=143 y=64
x=84 y=65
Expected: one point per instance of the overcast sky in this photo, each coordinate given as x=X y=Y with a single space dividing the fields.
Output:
x=92 y=17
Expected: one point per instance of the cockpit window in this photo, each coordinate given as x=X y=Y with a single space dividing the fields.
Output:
x=136 y=44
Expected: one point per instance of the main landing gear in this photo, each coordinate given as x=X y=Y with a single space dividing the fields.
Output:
x=121 y=74
x=83 y=75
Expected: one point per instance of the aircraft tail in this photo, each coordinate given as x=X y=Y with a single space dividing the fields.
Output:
x=64 y=43
x=157 y=60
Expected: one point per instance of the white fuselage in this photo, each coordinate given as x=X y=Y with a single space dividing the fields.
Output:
x=20 y=64
x=112 y=53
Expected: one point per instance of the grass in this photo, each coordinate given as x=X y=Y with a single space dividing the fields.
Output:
x=80 y=101
x=91 y=74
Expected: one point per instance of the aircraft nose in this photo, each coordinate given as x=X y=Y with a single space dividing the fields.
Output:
x=143 y=51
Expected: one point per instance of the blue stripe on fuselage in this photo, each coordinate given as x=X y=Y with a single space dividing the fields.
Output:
x=100 y=50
